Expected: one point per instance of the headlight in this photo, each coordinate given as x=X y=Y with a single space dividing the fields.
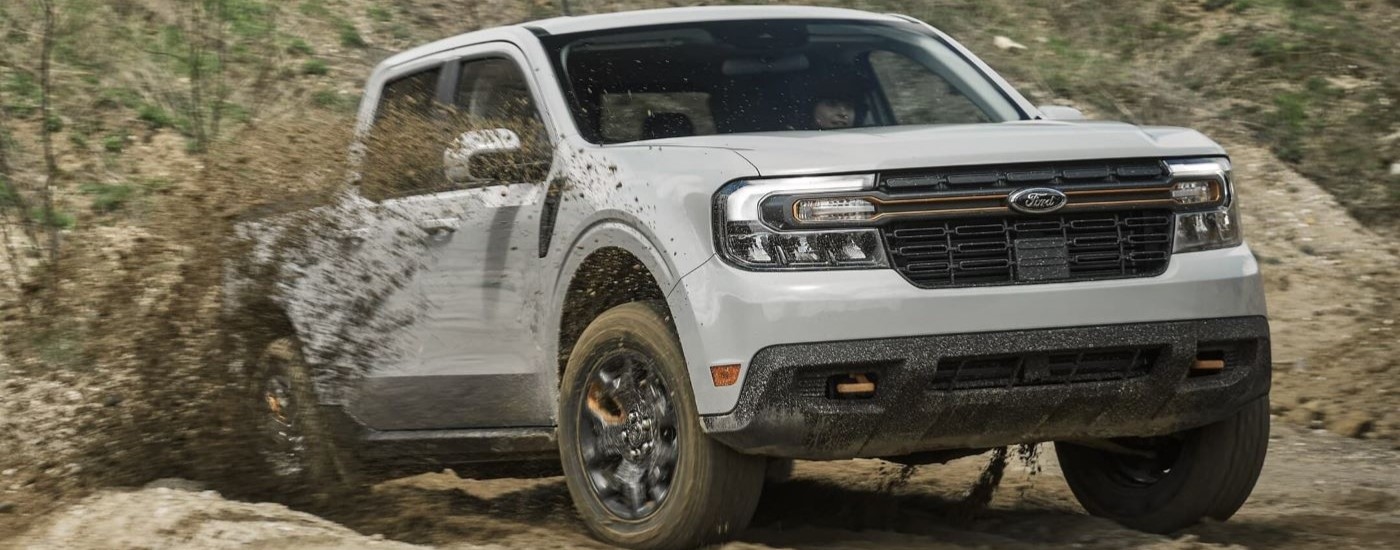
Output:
x=1205 y=181
x=747 y=239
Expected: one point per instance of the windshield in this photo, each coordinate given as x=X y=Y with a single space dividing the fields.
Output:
x=767 y=75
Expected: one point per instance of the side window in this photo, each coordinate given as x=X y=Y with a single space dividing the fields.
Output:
x=493 y=94
x=413 y=93
x=403 y=152
x=919 y=96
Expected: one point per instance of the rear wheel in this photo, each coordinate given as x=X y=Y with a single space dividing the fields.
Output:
x=639 y=468
x=1162 y=484
x=292 y=439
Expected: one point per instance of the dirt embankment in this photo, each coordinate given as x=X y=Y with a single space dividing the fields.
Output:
x=1333 y=288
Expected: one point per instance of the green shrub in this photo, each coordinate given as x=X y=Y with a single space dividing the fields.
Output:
x=315 y=67
x=114 y=143
x=1271 y=49
x=22 y=94
x=154 y=185
x=108 y=197
x=1289 y=125
x=248 y=18
x=313 y=8
x=53 y=123
x=155 y=115
x=22 y=85
x=8 y=196
x=300 y=47
x=54 y=218
x=330 y=99
x=114 y=97
x=1315 y=7
x=379 y=13
x=349 y=36
x=237 y=112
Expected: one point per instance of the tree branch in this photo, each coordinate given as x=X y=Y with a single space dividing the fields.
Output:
x=45 y=133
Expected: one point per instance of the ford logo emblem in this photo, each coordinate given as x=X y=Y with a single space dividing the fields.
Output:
x=1037 y=200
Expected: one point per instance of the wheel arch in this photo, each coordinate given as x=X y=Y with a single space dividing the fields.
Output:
x=251 y=318
x=608 y=277
x=618 y=264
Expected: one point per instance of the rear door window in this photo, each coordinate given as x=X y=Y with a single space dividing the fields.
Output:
x=403 y=152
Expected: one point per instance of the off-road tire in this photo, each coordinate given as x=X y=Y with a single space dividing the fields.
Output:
x=326 y=471
x=1211 y=477
x=714 y=490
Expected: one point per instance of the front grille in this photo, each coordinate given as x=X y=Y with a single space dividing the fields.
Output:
x=1031 y=249
x=1036 y=369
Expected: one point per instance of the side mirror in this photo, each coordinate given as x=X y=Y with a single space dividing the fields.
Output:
x=457 y=159
x=1060 y=112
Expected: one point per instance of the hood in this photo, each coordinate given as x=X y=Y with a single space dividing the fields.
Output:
x=900 y=147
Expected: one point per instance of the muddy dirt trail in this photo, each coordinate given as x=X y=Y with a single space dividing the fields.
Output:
x=1319 y=490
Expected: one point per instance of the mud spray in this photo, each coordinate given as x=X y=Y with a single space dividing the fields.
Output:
x=982 y=491
x=140 y=306
x=160 y=317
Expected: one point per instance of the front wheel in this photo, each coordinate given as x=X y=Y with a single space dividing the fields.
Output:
x=1162 y=484
x=640 y=470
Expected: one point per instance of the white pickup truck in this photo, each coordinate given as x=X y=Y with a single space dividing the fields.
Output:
x=715 y=238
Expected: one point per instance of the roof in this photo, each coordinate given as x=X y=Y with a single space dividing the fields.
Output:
x=586 y=23
x=641 y=18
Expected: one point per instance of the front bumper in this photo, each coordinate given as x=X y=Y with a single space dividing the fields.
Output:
x=782 y=413
x=725 y=315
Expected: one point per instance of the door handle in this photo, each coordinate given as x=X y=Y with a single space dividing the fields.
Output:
x=354 y=238
x=439 y=228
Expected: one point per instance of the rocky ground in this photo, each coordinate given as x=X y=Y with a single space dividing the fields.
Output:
x=1319 y=490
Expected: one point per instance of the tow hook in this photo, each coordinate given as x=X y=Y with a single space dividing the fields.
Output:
x=853 y=386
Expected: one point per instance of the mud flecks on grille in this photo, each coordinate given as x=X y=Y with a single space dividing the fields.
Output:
x=1023 y=250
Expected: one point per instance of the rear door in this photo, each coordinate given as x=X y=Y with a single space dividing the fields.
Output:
x=477 y=359
x=350 y=295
